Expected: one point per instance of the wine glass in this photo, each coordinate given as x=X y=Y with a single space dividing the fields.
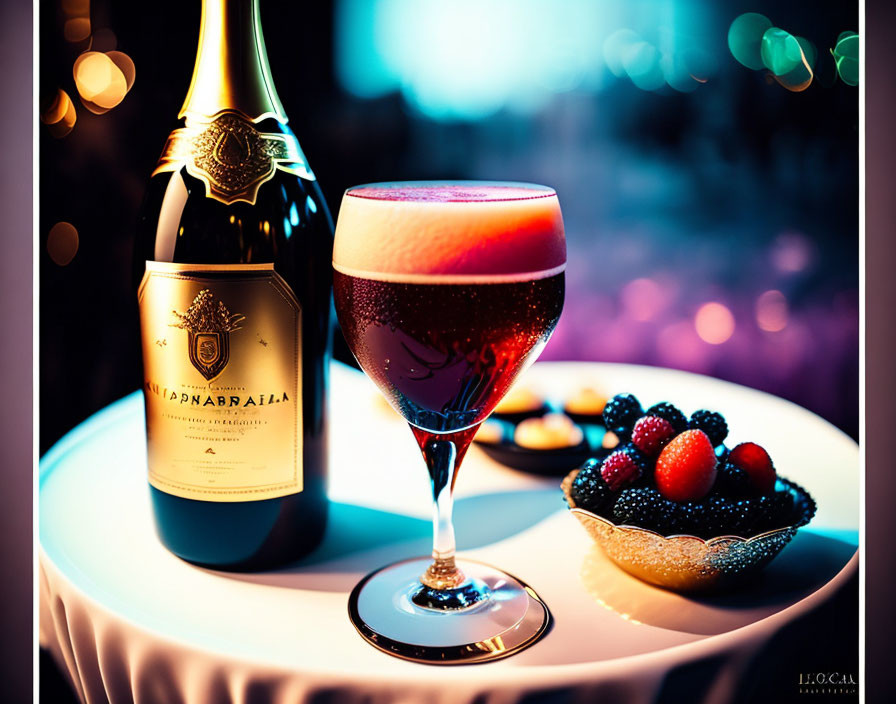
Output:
x=445 y=292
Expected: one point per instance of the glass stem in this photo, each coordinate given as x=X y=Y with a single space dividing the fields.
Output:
x=441 y=460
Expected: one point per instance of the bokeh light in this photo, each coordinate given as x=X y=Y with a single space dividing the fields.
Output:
x=791 y=252
x=745 y=39
x=125 y=65
x=810 y=53
x=62 y=243
x=76 y=8
x=772 y=311
x=103 y=39
x=642 y=299
x=99 y=80
x=76 y=29
x=60 y=115
x=641 y=62
x=714 y=323
x=678 y=345
x=615 y=47
x=467 y=60
x=846 y=56
x=780 y=51
x=801 y=76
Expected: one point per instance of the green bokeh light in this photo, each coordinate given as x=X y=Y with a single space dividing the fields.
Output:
x=846 y=56
x=745 y=39
x=798 y=79
x=810 y=53
x=780 y=51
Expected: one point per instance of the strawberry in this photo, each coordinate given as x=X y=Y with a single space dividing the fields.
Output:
x=755 y=461
x=686 y=468
x=651 y=434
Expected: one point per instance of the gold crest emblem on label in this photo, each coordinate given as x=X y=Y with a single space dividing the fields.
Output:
x=208 y=324
x=223 y=383
x=231 y=156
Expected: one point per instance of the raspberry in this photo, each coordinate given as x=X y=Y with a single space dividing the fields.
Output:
x=711 y=423
x=621 y=412
x=686 y=468
x=732 y=481
x=620 y=470
x=754 y=460
x=589 y=491
x=643 y=507
x=651 y=434
x=667 y=411
x=644 y=463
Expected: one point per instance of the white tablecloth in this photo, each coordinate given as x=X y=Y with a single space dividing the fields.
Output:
x=129 y=622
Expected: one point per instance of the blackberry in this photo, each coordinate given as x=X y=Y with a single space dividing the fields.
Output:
x=724 y=516
x=644 y=507
x=803 y=504
x=620 y=414
x=687 y=518
x=589 y=491
x=711 y=423
x=667 y=411
x=722 y=453
x=733 y=482
x=773 y=511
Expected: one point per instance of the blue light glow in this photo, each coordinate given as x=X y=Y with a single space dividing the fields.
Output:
x=310 y=205
x=293 y=215
x=468 y=59
x=287 y=228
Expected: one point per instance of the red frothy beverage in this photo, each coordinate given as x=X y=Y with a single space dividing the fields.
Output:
x=446 y=291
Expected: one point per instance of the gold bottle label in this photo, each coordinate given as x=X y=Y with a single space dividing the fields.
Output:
x=222 y=381
x=230 y=156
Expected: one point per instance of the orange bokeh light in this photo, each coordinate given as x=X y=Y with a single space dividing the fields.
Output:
x=125 y=65
x=99 y=80
x=62 y=243
x=103 y=39
x=76 y=8
x=76 y=29
x=714 y=323
x=60 y=115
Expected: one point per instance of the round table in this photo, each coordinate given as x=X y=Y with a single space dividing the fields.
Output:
x=130 y=622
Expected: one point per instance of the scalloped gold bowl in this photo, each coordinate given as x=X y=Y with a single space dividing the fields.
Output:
x=683 y=563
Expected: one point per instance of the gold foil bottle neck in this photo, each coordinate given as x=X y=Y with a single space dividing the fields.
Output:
x=232 y=71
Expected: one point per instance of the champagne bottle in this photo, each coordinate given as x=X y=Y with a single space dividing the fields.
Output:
x=233 y=255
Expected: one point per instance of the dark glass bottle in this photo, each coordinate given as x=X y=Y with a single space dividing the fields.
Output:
x=237 y=482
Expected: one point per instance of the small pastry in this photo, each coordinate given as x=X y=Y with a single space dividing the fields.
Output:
x=586 y=406
x=519 y=404
x=553 y=431
x=491 y=432
x=609 y=440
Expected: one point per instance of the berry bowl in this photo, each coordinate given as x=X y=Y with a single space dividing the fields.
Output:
x=687 y=563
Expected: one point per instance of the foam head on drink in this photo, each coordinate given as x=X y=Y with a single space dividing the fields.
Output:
x=445 y=292
x=443 y=232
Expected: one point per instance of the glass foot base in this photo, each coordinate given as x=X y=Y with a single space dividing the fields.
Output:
x=388 y=612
